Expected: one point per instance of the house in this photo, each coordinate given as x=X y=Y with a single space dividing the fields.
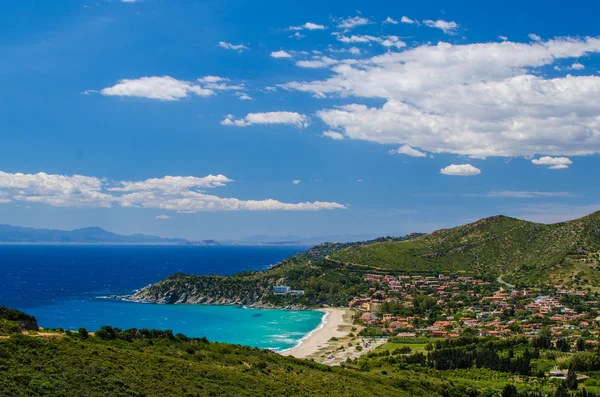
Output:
x=281 y=289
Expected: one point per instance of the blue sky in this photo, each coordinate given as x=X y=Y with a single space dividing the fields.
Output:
x=224 y=119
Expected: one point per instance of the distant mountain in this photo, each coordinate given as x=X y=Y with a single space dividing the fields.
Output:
x=89 y=235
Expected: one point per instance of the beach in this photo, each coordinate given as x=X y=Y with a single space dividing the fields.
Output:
x=320 y=337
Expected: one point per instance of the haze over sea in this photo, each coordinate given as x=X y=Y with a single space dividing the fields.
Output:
x=62 y=286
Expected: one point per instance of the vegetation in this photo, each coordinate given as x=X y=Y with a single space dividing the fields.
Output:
x=13 y=321
x=521 y=252
x=157 y=363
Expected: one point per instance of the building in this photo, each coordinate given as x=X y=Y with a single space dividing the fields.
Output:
x=281 y=290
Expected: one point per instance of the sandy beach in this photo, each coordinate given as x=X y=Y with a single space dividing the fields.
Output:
x=320 y=337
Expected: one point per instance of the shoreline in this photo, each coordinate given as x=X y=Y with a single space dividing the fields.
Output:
x=320 y=336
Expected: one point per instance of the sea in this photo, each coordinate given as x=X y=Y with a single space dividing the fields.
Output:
x=65 y=286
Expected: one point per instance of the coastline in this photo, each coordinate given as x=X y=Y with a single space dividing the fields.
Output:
x=320 y=336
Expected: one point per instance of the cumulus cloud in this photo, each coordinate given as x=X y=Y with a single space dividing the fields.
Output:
x=336 y=136
x=478 y=100
x=460 y=170
x=173 y=183
x=390 y=20
x=163 y=217
x=317 y=62
x=577 y=66
x=553 y=163
x=280 y=54
x=235 y=47
x=448 y=27
x=170 y=193
x=293 y=118
x=165 y=88
x=409 y=151
x=296 y=181
x=243 y=96
x=350 y=23
x=308 y=26
x=534 y=37
x=56 y=190
x=386 y=41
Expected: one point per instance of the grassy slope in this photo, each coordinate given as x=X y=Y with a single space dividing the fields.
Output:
x=522 y=251
x=71 y=366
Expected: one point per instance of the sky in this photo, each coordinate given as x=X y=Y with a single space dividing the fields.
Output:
x=226 y=119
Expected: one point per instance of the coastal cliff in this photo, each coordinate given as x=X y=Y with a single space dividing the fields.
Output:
x=181 y=288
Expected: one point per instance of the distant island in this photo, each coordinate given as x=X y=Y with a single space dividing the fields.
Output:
x=89 y=235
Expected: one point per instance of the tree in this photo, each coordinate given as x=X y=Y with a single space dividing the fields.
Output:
x=561 y=391
x=562 y=345
x=510 y=391
x=83 y=332
x=544 y=339
x=580 y=344
x=571 y=381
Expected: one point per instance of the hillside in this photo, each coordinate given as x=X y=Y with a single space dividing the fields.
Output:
x=522 y=253
x=519 y=251
x=324 y=282
x=12 y=321
x=158 y=363
x=88 y=235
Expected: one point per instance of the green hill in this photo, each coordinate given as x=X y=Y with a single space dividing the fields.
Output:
x=519 y=251
x=158 y=363
x=522 y=253
x=13 y=321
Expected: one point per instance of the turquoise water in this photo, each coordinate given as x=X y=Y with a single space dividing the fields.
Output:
x=61 y=286
x=267 y=329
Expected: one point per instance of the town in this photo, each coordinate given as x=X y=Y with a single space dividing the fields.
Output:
x=451 y=306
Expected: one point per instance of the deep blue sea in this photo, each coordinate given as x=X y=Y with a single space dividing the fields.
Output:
x=62 y=286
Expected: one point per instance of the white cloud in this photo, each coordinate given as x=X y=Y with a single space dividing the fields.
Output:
x=280 y=54
x=317 y=62
x=390 y=21
x=56 y=190
x=460 y=170
x=297 y=36
x=477 y=100
x=350 y=23
x=165 y=88
x=354 y=50
x=163 y=217
x=173 y=183
x=534 y=37
x=577 y=66
x=229 y=46
x=558 y=167
x=503 y=38
x=406 y=19
x=336 y=136
x=293 y=118
x=313 y=26
x=308 y=26
x=448 y=27
x=243 y=96
x=553 y=163
x=387 y=41
x=212 y=79
x=171 y=193
x=409 y=151
x=296 y=181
